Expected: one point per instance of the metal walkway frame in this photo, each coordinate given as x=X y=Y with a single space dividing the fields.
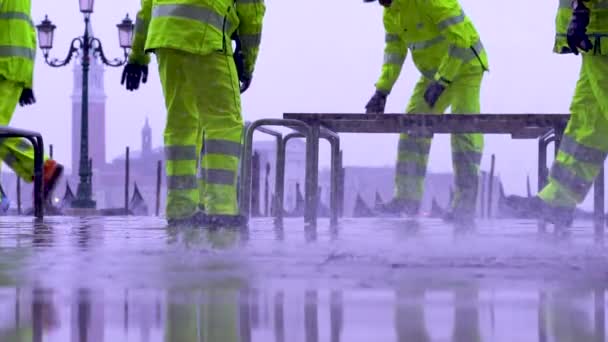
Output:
x=37 y=142
x=547 y=128
x=299 y=130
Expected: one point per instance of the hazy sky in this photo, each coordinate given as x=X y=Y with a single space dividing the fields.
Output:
x=324 y=56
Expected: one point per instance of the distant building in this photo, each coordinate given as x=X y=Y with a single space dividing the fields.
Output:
x=367 y=181
x=143 y=170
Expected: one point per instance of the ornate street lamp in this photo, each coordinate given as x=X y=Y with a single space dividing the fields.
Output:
x=46 y=29
x=91 y=47
x=86 y=6
x=125 y=33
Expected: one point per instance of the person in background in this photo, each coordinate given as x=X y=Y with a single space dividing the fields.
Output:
x=581 y=27
x=17 y=56
x=448 y=52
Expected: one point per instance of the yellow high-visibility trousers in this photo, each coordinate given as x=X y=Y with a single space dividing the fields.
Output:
x=202 y=98
x=584 y=145
x=412 y=157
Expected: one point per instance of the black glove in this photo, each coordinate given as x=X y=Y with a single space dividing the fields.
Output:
x=133 y=74
x=238 y=57
x=433 y=92
x=27 y=97
x=245 y=83
x=376 y=104
x=577 y=29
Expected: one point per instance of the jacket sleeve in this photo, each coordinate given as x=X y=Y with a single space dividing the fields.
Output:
x=464 y=42
x=395 y=52
x=251 y=15
x=138 y=54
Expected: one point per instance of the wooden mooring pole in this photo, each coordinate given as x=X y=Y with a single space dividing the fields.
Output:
x=18 y=195
x=491 y=186
x=127 y=180
x=158 y=183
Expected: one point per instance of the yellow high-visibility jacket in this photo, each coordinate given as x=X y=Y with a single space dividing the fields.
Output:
x=198 y=27
x=17 y=42
x=442 y=39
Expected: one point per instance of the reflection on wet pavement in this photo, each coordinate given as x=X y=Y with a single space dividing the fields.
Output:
x=132 y=279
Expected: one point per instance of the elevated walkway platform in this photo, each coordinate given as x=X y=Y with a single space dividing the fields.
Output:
x=545 y=128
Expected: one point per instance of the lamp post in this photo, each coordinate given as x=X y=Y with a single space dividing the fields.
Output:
x=90 y=46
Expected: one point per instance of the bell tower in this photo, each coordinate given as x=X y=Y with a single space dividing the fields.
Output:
x=146 y=139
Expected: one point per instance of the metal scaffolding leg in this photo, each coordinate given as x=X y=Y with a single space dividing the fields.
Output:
x=543 y=143
x=335 y=181
x=38 y=174
x=38 y=145
x=312 y=175
x=334 y=141
x=246 y=172
x=598 y=204
x=559 y=132
x=279 y=182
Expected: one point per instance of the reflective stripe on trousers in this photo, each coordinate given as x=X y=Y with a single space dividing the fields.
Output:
x=394 y=58
x=177 y=152
x=187 y=182
x=217 y=176
x=569 y=179
x=580 y=152
x=411 y=167
x=222 y=147
x=466 y=169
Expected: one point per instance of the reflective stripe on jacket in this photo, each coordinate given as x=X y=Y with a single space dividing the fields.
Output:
x=442 y=39
x=198 y=27
x=17 y=42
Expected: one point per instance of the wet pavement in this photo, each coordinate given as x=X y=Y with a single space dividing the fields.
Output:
x=132 y=279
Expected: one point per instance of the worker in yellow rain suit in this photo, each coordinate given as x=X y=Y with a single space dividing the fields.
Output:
x=17 y=55
x=580 y=25
x=192 y=41
x=448 y=52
